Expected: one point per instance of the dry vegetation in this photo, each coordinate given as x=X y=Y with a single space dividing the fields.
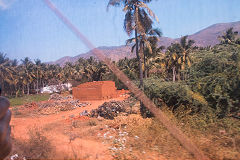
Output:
x=129 y=136
x=37 y=146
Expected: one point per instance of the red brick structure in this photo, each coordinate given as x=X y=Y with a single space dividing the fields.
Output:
x=98 y=90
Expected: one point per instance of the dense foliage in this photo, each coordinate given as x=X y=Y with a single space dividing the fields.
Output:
x=175 y=95
x=216 y=75
x=212 y=84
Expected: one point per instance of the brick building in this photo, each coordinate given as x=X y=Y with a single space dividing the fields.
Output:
x=97 y=90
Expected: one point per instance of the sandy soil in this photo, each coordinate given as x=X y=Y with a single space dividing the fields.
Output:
x=67 y=139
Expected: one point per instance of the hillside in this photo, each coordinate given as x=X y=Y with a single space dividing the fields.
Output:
x=209 y=36
x=203 y=38
x=114 y=53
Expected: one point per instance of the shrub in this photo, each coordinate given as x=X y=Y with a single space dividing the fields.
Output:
x=216 y=75
x=175 y=95
x=36 y=147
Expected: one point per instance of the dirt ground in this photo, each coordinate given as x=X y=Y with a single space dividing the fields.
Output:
x=73 y=136
x=47 y=133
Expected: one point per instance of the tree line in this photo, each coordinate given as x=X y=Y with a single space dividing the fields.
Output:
x=171 y=63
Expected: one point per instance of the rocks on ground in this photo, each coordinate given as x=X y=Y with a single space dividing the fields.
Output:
x=55 y=104
x=58 y=97
x=109 y=110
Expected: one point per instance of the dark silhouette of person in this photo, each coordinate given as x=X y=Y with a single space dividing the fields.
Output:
x=5 y=129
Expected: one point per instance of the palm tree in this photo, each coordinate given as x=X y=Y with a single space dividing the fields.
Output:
x=172 y=56
x=178 y=56
x=5 y=72
x=27 y=74
x=38 y=67
x=186 y=48
x=129 y=67
x=151 y=36
x=136 y=19
x=230 y=37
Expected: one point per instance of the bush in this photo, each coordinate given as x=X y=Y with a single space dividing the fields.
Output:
x=216 y=75
x=175 y=94
x=36 y=147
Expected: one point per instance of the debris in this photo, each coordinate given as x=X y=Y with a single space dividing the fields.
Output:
x=55 y=104
x=58 y=97
x=13 y=157
x=108 y=110
x=72 y=116
x=84 y=113
x=31 y=105
x=55 y=97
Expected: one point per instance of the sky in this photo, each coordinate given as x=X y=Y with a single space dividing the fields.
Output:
x=28 y=28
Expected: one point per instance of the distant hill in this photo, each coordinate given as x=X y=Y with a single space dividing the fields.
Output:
x=203 y=38
x=114 y=53
x=207 y=36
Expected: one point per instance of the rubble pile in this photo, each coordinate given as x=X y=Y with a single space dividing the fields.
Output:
x=57 y=106
x=31 y=105
x=58 y=97
x=108 y=110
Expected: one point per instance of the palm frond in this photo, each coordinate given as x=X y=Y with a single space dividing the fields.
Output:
x=183 y=41
x=138 y=21
x=155 y=32
x=129 y=41
x=128 y=22
x=148 y=46
x=113 y=3
x=150 y=12
x=133 y=47
x=190 y=43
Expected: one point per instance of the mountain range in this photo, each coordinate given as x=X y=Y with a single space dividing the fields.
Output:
x=206 y=37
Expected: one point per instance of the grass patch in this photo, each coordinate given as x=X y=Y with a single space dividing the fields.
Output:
x=28 y=99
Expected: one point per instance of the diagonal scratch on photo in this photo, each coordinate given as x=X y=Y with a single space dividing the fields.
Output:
x=120 y=79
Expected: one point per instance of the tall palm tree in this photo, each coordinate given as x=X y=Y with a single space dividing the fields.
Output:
x=28 y=73
x=151 y=36
x=186 y=48
x=144 y=45
x=38 y=67
x=137 y=19
x=178 y=56
x=172 y=56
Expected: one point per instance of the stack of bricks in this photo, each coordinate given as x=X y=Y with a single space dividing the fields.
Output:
x=98 y=90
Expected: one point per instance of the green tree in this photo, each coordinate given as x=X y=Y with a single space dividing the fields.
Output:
x=27 y=73
x=230 y=37
x=137 y=19
x=147 y=42
x=178 y=56
x=5 y=71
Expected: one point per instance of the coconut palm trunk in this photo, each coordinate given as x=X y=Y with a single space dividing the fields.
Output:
x=174 y=73
x=37 y=82
x=145 y=66
x=139 y=61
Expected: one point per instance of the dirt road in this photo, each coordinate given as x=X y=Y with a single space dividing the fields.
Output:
x=69 y=141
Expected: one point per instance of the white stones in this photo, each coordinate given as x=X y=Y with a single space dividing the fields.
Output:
x=136 y=137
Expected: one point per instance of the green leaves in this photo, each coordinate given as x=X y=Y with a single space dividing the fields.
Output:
x=215 y=75
x=174 y=94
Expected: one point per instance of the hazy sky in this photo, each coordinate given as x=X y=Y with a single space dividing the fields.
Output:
x=29 y=29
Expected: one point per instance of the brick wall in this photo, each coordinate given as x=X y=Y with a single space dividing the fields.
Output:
x=95 y=90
